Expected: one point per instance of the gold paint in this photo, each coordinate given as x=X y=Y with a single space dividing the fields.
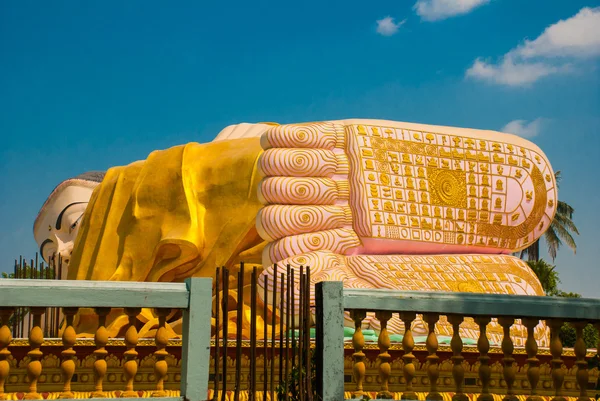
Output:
x=528 y=196
x=448 y=188
x=497 y=219
x=385 y=179
x=499 y=185
x=361 y=130
x=519 y=174
x=378 y=217
x=550 y=202
x=529 y=223
x=515 y=216
x=369 y=165
x=374 y=192
x=387 y=205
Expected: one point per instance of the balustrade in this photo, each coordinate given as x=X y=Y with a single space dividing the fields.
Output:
x=38 y=295
x=332 y=300
x=5 y=340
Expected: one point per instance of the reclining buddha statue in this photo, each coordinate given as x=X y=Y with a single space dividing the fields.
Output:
x=375 y=204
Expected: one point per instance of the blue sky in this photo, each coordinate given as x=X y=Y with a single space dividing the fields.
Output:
x=89 y=85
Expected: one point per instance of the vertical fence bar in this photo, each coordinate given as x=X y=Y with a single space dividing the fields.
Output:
x=330 y=341
x=307 y=334
x=225 y=304
x=238 y=336
x=253 y=294
x=273 y=309
x=16 y=316
x=217 y=326
x=196 y=340
x=301 y=334
x=287 y=332
x=265 y=334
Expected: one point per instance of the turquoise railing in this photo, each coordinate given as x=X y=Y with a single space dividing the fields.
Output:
x=194 y=298
x=332 y=300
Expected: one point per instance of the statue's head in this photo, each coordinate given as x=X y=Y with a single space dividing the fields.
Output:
x=59 y=219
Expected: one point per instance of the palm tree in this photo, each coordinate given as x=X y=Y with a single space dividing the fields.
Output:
x=560 y=232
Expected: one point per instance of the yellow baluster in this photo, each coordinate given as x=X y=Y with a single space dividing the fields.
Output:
x=556 y=348
x=582 y=365
x=508 y=361
x=100 y=339
x=5 y=340
x=485 y=373
x=358 y=342
x=385 y=369
x=533 y=371
x=160 y=367
x=431 y=343
x=408 y=343
x=68 y=364
x=458 y=371
x=130 y=366
x=34 y=367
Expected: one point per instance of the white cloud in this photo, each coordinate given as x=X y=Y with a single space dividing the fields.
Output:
x=435 y=10
x=561 y=46
x=387 y=26
x=512 y=73
x=523 y=128
x=578 y=36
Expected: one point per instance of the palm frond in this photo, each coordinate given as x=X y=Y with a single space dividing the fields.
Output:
x=553 y=242
x=564 y=209
x=566 y=222
x=565 y=236
x=558 y=177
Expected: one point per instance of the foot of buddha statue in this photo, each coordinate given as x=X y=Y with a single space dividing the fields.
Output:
x=381 y=204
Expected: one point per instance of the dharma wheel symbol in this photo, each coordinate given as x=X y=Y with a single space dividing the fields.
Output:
x=449 y=188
